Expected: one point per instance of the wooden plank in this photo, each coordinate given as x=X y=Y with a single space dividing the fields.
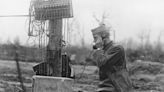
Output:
x=52 y=84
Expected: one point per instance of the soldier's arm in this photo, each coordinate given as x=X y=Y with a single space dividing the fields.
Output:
x=111 y=57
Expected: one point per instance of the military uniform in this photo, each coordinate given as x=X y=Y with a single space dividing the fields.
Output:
x=112 y=69
x=111 y=60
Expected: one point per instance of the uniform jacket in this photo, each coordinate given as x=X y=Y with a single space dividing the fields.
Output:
x=112 y=69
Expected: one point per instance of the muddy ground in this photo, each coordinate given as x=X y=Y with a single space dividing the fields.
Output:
x=146 y=76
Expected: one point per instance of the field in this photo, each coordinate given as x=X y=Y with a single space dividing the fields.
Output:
x=9 y=76
x=146 y=76
x=10 y=83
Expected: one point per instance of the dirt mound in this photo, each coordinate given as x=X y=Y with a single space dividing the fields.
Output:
x=147 y=75
x=145 y=67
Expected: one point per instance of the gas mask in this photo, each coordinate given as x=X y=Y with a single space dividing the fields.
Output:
x=98 y=42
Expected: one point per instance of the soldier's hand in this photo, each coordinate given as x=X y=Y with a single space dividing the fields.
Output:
x=99 y=57
x=94 y=56
x=97 y=53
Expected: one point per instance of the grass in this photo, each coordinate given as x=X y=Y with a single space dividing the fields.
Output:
x=86 y=77
x=9 y=80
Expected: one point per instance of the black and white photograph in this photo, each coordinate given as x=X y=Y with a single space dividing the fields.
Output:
x=81 y=45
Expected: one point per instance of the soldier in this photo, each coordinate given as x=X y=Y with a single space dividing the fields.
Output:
x=111 y=61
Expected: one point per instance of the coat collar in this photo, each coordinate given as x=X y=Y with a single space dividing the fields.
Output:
x=107 y=46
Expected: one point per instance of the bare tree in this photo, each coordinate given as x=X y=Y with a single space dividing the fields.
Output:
x=17 y=41
x=141 y=37
x=159 y=45
x=76 y=32
x=144 y=37
x=104 y=17
x=159 y=37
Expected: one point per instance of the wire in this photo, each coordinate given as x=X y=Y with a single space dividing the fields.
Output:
x=38 y=29
x=84 y=68
x=16 y=15
x=85 y=65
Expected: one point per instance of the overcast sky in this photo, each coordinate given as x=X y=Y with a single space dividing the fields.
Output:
x=127 y=17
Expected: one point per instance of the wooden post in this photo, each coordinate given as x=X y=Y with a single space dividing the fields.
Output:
x=18 y=69
x=54 y=46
